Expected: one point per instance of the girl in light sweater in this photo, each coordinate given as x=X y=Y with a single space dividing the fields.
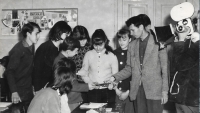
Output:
x=99 y=64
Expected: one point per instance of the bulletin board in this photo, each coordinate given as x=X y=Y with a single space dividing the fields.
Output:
x=14 y=19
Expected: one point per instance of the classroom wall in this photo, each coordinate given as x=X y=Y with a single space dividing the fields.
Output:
x=93 y=14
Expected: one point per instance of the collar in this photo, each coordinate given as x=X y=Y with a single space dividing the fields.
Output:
x=61 y=55
x=58 y=92
x=122 y=49
x=25 y=44
x=102 y=52
x=145 y=39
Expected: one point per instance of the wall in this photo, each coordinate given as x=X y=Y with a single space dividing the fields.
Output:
x=109 y=15
x=93 y=14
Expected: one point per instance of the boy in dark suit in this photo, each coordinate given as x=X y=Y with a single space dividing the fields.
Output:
x=20 y=67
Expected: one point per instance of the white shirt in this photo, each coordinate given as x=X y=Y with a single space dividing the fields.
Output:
x=64 y=103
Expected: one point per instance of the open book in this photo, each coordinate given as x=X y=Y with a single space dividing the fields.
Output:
x=164 y=33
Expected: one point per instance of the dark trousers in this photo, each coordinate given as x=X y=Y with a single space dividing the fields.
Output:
x=26 y=95
x=128 y=104
x=84 y=96
x=21 y=107
x=101 y=95
x=143 y=105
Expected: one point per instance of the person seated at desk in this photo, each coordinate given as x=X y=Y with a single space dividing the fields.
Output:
x=50 y=100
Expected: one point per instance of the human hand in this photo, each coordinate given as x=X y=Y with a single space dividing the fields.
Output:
x=93 y=86
x=195 y=37
x=35 y=92
x=124 y=95
x=164 y=98
x=118 y=91
x=15 y=98
x=110 y=86
x=110 y=80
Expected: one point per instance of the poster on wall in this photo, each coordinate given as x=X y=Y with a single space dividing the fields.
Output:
x=14 y=19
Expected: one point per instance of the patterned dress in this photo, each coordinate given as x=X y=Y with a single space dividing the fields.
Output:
x=78 y=58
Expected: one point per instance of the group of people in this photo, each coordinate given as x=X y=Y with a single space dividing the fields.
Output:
x=71 y=68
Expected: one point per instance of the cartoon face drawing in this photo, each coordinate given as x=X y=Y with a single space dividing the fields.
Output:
x=182 y=24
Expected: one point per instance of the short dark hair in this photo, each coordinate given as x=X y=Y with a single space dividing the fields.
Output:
x=123 y=32
x=4 y=61
x=141 y=19
x=83 y=33
x=146 y=19
x=58 y=29
x=100 y=37
x=64 y=74
x=69 y=44
x=29 y=27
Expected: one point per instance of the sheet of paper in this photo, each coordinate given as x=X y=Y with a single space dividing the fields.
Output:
x=108 y=109
x=92 y=105
x=5 y=104
x=3 y=109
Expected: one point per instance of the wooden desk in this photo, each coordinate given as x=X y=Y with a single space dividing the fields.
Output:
x=109 y=105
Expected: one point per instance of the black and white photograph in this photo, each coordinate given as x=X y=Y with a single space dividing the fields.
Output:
x=99 y=56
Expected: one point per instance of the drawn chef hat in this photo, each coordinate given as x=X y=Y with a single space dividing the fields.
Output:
x=182 y=11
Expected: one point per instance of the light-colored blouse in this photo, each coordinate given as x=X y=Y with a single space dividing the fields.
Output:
x=98 y=67
x=49 y=101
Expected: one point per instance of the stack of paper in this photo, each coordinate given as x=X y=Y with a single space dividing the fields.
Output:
x=4 y=105
x=92 y=105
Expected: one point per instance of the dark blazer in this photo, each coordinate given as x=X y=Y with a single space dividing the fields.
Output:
x=153 y=74
x=185 y=83
x=43 y=63
x=19 y=71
